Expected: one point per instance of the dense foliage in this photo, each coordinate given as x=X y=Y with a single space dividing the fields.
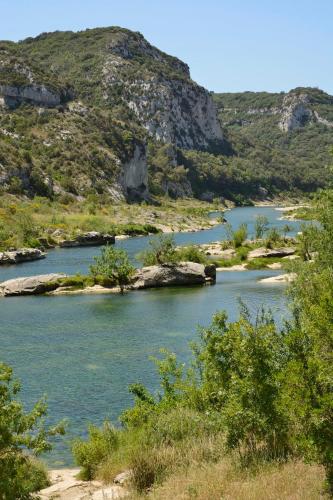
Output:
x=23 y=436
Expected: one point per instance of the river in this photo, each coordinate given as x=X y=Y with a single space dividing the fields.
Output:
x=83 y=351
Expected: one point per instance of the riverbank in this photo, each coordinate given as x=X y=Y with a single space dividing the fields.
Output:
x=66 y=485
x=41 y=223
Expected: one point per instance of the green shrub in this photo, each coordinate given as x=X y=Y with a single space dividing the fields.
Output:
x=191 y=253
x=162 y=250
x=101 y=444
x=77 y=281
x=149 y=466
x=113 y=266
x=20 y=474
x=260 y=226
x=242 y=252
x=273 y=238
x=240 y=235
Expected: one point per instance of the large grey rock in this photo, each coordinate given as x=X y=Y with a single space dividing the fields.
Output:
x=271 y=252
x=295 y=112
x=21 y=255
x=135 y=175
x=92 y=238
x=32 y=93
x=31 y=285
x=182 y=273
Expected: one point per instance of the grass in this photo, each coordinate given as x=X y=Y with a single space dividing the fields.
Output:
x=288 y=481
x=181 y=457
x=23 y=222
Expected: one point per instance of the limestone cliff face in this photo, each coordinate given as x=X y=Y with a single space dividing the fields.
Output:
x=171 y=107
x=180 y=113
x=20 y=84
x=39 y=95
x=295 y=112
x=134 y=178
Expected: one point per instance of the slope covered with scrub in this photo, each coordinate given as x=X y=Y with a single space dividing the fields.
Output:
x=103 y=111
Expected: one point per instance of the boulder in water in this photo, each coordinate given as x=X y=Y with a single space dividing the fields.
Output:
x=92 y=238
x=182 y=273
x=271 y=252
x=21 y=255
x=30 y=285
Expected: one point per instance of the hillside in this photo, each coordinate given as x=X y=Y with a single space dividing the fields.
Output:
x=103 y=111
x=285 y=138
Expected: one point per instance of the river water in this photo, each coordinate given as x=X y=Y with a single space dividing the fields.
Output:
x=83 y=351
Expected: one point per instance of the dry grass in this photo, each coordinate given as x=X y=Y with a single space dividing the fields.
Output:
x=291 y=481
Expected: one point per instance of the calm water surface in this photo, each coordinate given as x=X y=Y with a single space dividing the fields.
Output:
x=84 y=351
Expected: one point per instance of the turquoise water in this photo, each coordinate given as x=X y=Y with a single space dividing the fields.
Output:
x=84 y=351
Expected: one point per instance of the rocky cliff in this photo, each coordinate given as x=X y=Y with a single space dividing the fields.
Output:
x=282 y=140
x=101 y=95
x=294 y=109
x=104 y=112
x=20 y=83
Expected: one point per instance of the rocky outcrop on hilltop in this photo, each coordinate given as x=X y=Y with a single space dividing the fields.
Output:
x=20 y=83
x=134 y=176
x=176 y=112
x=295 y=112
x=12 y=96
x=171 y=107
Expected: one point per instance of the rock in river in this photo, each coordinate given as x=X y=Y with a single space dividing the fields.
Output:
x=270 y=252
x=31 y=285
x=21 y=255
x=182 y=273
x=92 y=238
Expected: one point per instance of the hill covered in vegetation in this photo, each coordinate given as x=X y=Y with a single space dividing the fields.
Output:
x=104 y=112
x=285 y=138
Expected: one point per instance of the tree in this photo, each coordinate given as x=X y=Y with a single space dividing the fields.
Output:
x=22 y=437
x=311 y=340
x=260 y=226
x=240 y=365
x=113 y=266
x=162 y=250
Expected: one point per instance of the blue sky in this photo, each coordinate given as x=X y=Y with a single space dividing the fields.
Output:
x=230 y=45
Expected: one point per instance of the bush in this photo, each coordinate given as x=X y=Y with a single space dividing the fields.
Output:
x=261 y=226
x=191 y=253
x=273 y=238
x=162 y=250
x=241 y=363
x=90 y=454
x=114 y=266
x=20 y=474
x=238 y=236
x=78 y=281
